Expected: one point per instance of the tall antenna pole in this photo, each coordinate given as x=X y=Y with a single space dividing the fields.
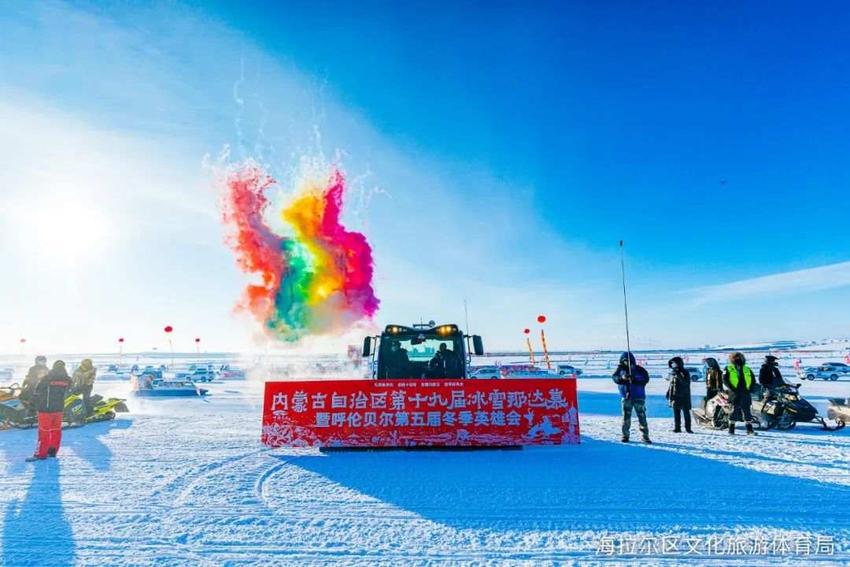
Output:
x=468 y=333
x=625 y=303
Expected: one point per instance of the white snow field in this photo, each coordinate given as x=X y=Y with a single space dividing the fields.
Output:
x=186 y=482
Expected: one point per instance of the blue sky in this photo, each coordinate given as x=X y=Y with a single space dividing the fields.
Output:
x=530 y=138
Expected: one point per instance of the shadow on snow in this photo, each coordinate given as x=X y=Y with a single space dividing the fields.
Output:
x=85 y=442
x=598 y=485
x=35 y=531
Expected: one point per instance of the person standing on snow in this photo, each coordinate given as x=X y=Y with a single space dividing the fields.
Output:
x=740 y=382
x=679 y=394
x=84 y=382
x=713 y=379
x=50 y=404
x=631 y=380
x=36 y=372
x=770 y=377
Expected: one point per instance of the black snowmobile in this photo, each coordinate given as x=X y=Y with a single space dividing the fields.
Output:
x=785 y=408
x=839 y=411
x=15 y=412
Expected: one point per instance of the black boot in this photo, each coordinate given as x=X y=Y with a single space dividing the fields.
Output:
x=624 y=439
x=731 y=428
x=750 y=429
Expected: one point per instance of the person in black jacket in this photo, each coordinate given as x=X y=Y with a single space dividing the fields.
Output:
x=446 y=363
x=739 y=382
x=713 y=379
x=770 y=377
x=50 y=403
x=397 y=363
x=679 y=394
x=34 y=375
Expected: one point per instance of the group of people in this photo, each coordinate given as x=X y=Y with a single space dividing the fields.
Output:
x=44 y=391
x=737 y=380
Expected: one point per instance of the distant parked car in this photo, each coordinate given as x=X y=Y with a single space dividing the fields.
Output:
x=567 y=369
x=529 y=373
x=227 y=371
x=485 y=373
x=695 y=372
x=203 y=374
x=827 y=371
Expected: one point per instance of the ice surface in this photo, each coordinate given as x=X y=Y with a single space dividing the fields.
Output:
x=186 y=481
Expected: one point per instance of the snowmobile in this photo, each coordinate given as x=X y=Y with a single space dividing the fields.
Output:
x=839 y=411
x=785 y=408
x=715 y=412
x=102 y=409
x=16 y=413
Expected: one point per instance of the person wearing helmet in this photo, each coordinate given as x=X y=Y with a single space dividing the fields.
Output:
x=739 y=382
x=631 y=380
x=36 y=372
x=713 y=379
x=50 y=404
x=83 y=382
x=770 y=377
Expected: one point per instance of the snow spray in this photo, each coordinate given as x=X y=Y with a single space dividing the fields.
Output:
x=316 y=278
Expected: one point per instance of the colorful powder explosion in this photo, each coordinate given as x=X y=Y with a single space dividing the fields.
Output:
x=317 y=281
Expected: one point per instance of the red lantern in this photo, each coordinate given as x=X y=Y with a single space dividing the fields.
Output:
x=527 y=331
x=168 y=328
x=541 y=318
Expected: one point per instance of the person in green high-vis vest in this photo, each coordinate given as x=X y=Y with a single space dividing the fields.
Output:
x=740 y=382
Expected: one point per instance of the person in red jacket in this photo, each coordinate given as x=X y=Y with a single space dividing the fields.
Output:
x=50 y=403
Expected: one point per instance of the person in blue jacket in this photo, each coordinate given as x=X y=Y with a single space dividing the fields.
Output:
x=631 y=380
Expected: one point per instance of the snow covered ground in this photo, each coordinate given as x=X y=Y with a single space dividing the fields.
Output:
x=187 y=482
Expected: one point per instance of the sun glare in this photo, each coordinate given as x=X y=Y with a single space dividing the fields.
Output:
x=68 y=233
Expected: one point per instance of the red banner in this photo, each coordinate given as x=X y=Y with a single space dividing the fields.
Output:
x=409 y=413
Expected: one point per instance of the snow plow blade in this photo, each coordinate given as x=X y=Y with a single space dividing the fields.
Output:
x=420 y=413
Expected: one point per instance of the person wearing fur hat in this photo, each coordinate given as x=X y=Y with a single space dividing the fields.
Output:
x=740 y=382
x=83 y=382
x=679 y=394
